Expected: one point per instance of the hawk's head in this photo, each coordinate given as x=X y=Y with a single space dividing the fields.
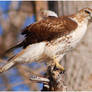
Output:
x=86 y=12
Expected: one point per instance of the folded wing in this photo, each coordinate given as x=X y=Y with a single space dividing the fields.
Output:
x=46 y=29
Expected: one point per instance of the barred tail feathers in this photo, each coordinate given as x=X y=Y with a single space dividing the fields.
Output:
x=7 y=66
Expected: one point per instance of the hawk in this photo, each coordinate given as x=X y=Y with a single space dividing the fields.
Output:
x=51 y=38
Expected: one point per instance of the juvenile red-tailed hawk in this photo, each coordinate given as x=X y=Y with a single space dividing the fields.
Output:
x=51 y=38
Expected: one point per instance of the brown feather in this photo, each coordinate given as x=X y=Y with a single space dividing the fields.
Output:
x=48 y=29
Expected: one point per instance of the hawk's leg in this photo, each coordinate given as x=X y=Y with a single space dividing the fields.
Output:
x=56 y=62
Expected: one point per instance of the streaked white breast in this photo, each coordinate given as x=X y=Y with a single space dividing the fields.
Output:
x=32 y=53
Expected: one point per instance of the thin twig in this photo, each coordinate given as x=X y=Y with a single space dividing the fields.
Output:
x=39 y=79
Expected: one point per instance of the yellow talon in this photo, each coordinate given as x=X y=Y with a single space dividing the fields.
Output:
x=59 y=66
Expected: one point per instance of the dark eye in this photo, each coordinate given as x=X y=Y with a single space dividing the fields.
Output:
x=87 y=12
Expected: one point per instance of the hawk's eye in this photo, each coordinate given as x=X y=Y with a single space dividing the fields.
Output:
x=87 y=12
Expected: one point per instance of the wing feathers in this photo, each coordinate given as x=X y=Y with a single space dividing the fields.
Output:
x=48 y=29
x=12 y=48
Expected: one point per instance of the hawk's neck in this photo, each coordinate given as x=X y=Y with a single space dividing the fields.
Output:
x=79 y=18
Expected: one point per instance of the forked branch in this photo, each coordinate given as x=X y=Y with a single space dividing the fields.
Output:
x=53 y=80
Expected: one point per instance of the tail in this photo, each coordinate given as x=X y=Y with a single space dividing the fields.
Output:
x=12 y=49
x=7 y=66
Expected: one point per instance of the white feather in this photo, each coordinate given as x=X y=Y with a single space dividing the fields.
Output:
x=32 y=53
